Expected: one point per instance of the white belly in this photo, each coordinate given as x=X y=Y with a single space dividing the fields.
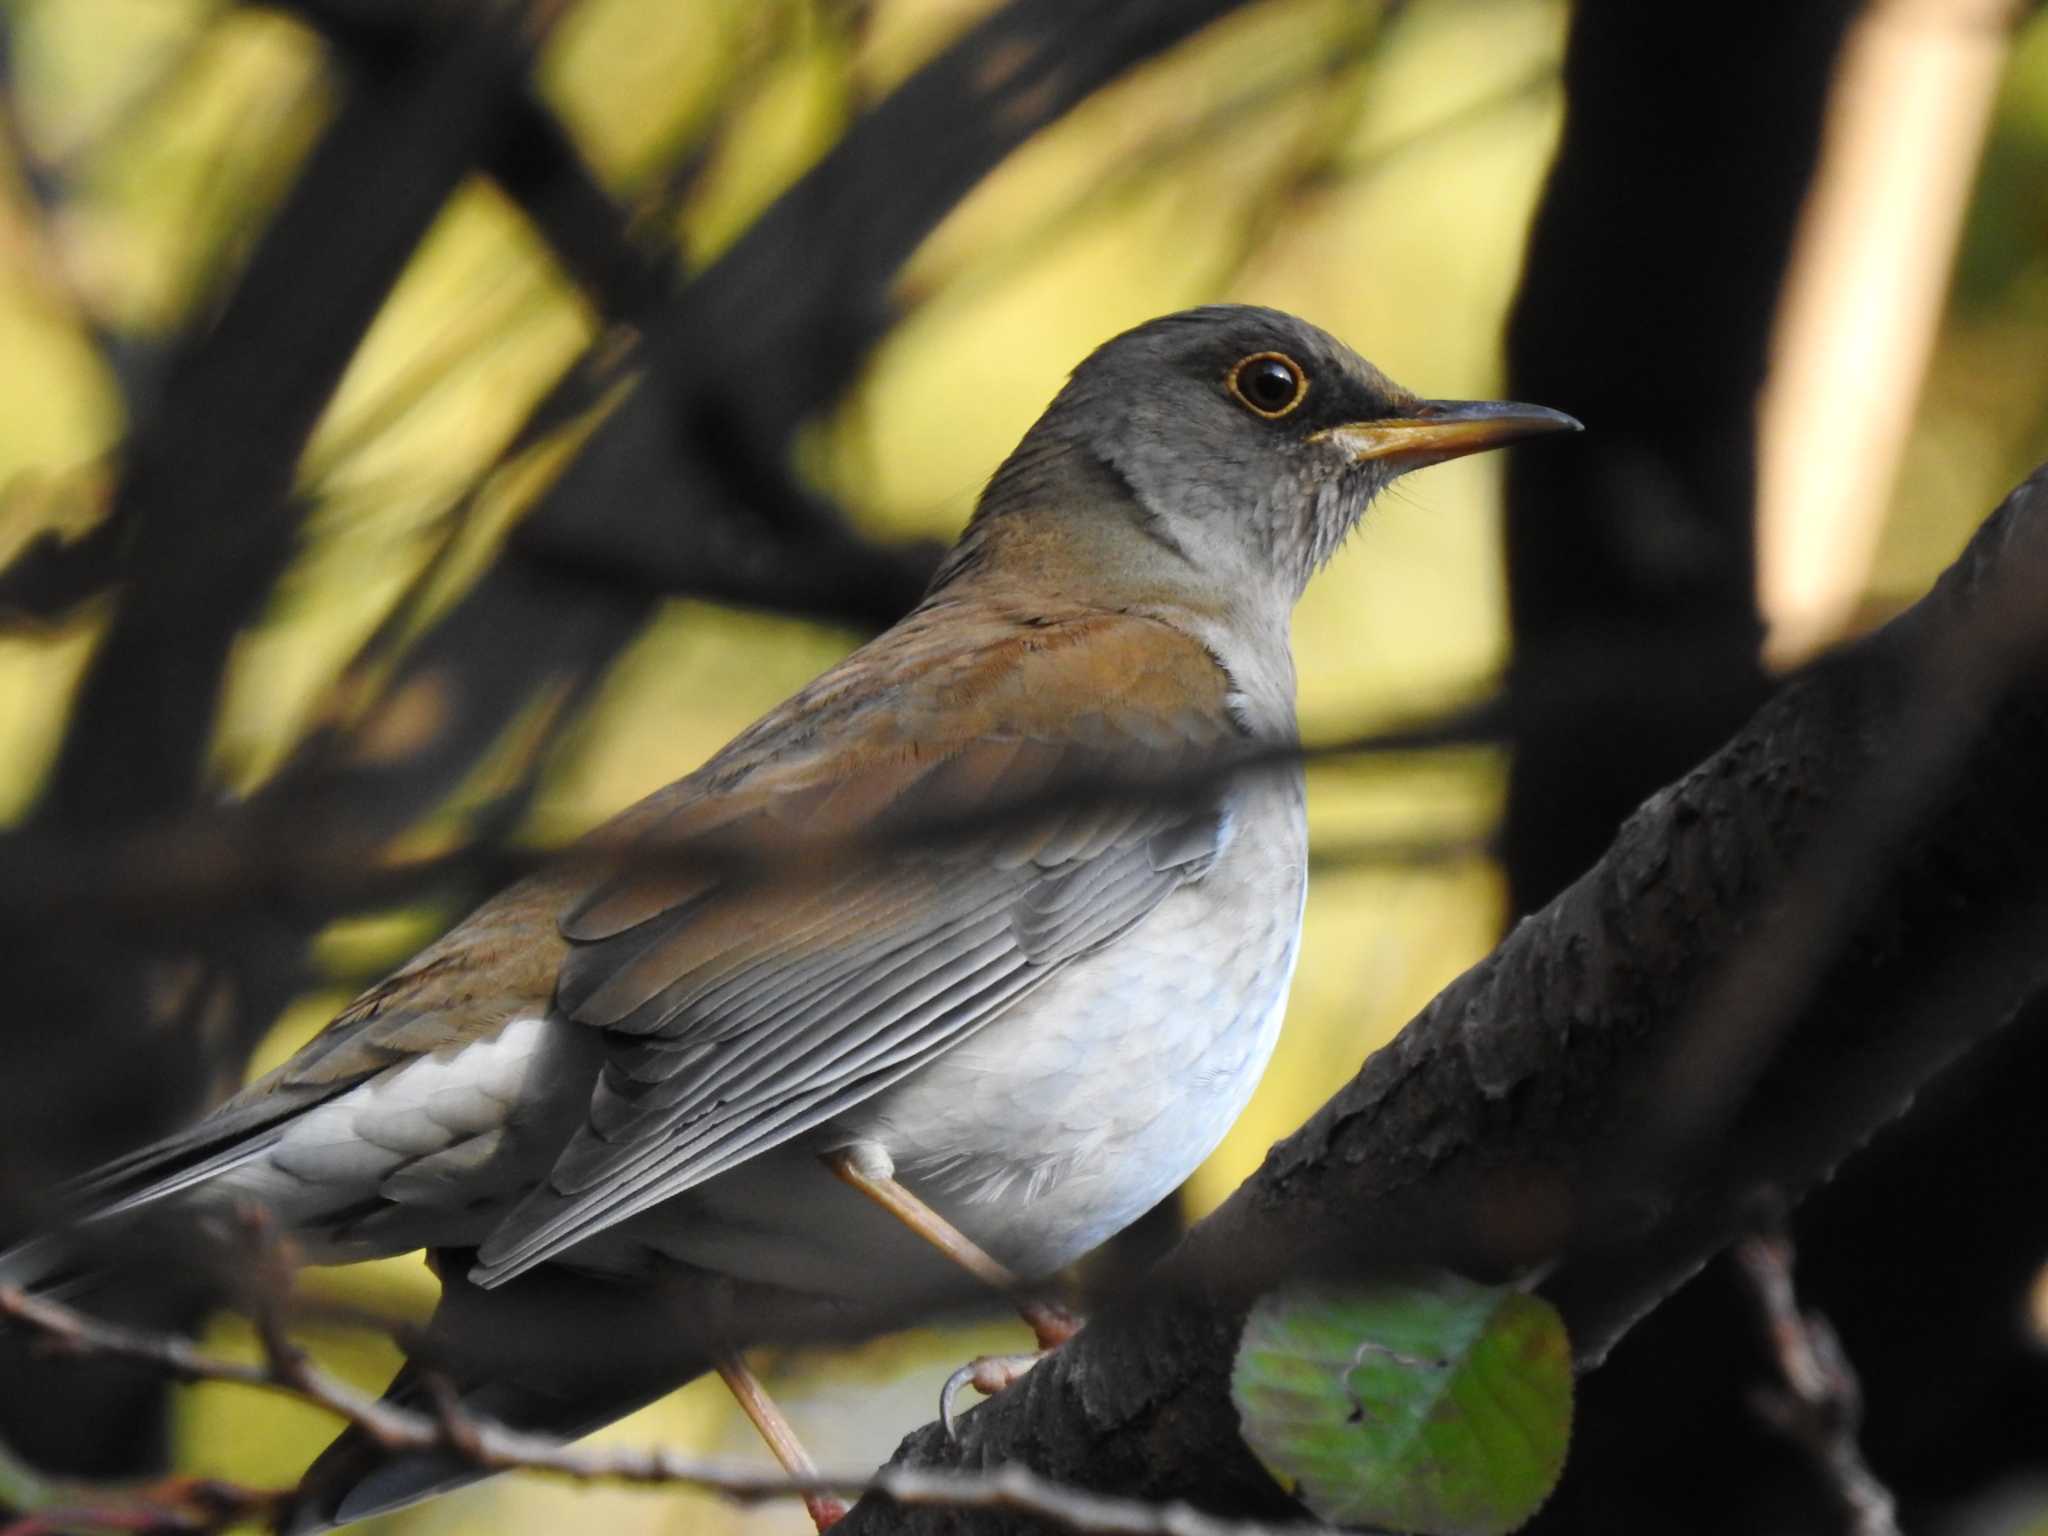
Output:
x=1096 y=1100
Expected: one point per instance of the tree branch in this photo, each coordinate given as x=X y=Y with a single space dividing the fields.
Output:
x=530 y=154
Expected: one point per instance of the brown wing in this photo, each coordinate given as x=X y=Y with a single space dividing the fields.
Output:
x=743 y=1009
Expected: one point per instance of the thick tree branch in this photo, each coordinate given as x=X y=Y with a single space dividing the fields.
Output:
x=1522 y=1119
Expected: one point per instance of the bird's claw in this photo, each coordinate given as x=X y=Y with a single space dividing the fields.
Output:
x=988 y=1375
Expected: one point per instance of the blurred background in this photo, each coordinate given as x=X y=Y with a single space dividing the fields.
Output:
x=406 y=458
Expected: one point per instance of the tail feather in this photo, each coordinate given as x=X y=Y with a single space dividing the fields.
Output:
x=552 y=1353
x=356 y=1479
x=239 y=1132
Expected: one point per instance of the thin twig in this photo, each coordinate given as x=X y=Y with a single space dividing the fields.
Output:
x=170 y=1504
x=287 y=1369
x=227 y=859
x=1818 y=1404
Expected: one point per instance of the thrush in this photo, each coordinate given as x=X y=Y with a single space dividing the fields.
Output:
x=993 y=922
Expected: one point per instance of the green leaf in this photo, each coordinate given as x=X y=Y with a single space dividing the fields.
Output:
x=1416 y=1403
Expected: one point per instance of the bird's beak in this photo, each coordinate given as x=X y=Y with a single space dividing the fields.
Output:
x=1436 y=430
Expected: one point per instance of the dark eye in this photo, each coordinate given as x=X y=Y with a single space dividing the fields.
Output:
x=1271 y=383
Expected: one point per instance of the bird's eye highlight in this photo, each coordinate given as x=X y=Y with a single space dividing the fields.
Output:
x=1271 y=384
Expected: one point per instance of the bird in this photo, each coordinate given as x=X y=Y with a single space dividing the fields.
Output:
x=937 y=976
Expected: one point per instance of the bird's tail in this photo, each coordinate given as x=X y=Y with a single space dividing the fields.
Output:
x=552 y=1353
x=98 y=1204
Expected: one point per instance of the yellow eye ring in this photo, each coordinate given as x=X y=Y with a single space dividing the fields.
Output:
x=1269 y=384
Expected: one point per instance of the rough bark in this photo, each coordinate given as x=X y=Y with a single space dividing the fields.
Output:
x=1776 y=954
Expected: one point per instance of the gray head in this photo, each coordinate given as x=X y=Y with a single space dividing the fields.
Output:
x=1246 y=442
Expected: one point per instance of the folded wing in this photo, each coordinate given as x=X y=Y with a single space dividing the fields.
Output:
x=865 y=879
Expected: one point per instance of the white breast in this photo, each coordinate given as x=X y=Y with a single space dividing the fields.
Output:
x=1100 y=1093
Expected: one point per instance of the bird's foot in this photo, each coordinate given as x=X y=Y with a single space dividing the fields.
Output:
x=988 y=1375
x=1050 y=1323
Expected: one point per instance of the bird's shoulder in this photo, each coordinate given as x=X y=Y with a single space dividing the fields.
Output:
x=963 y=672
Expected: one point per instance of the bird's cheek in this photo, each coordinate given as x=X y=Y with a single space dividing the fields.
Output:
x=1350 y=491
